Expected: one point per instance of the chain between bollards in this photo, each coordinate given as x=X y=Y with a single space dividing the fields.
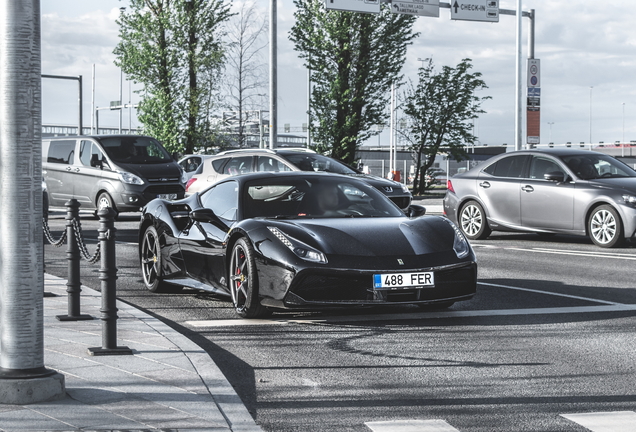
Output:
x=108 y=278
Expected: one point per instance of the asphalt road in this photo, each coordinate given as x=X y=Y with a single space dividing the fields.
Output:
x=548 y=339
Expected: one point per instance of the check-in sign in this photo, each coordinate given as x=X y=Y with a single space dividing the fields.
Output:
x=368 y=6
x=475 y=10
x=428 y=8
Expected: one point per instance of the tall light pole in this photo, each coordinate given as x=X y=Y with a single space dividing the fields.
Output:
x=623 y=140
x=518 y=120
x=591 y=87
x=273 y=77
x=550 y=123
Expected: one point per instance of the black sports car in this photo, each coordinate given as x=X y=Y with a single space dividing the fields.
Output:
x=303 y=241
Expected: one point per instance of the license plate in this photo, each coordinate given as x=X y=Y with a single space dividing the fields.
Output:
x=403 y=280
x=172 y=196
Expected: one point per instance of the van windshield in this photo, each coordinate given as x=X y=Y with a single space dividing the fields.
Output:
x=135 y=150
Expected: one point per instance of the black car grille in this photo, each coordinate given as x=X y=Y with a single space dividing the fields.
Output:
x=151 y=192
x=450 y=283
x=401 y=202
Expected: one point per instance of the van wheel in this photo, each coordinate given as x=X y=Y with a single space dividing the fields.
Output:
x=104 y=200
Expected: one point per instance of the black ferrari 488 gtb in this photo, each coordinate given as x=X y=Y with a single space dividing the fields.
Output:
x=303 y=241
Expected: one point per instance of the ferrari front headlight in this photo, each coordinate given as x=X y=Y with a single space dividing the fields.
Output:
x=460 y=243
x=299 y=248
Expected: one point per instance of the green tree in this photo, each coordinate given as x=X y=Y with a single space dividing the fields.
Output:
x=174 y=49
x=354 y=58
x=439 y=109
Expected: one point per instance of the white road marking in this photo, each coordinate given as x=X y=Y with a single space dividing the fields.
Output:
x=576 y=253
x=549 y=293
x=411 y=426
x=417 y=316
x=619 y=421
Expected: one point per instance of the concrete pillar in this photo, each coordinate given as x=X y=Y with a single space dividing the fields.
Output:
x=23 y=377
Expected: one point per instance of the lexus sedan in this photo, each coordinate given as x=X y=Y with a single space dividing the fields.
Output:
x=547 y=191
x=303 y=241
x=234 y=162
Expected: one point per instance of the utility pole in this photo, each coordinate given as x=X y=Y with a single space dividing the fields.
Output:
x=23 y=377
x=273 y=76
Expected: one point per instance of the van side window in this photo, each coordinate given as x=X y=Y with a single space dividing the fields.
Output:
x=87 y=150
x=61 y=152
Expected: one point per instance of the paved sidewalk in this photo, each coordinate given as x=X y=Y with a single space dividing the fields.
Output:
x=169 y=382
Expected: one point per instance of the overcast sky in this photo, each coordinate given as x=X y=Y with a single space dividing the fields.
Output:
x=587 y=51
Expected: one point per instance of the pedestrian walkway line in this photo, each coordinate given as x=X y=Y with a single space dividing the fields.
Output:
x=617 y=421
x=411 y=426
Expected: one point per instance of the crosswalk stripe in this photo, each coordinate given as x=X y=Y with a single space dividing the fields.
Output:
x=618 y=421
x=410 y=426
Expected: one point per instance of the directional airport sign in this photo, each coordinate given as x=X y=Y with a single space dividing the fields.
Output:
x=475 y=10
x=368 y=6
x=428 y=8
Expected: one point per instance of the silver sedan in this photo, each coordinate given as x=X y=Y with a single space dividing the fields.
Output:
x=546 y=191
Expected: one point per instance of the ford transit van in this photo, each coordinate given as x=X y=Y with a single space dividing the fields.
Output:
x=124 y=172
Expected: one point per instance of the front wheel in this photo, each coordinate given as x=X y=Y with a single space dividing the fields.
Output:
x=243 y=281
x=605 y=227
x=472 y=221
x=105 y=200
x=151 y=262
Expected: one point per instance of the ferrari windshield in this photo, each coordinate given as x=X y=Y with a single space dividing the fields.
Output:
x=595 y=166
x=315 y=197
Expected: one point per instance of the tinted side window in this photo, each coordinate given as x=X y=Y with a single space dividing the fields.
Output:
x=267 y=163
x=87 y=150
x=217 y=164
x=61 y=152
x=541 y=166
x=222 y=200
x=509 y=167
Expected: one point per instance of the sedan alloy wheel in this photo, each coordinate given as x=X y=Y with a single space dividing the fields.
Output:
x=472 y=221
x=605 y=227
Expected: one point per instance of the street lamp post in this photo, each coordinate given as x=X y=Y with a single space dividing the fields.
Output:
x=623 y=139
x=550 y=139
x=591 y=117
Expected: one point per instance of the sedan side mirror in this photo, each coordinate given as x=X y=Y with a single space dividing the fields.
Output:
x=555 y=176
x=415 y=210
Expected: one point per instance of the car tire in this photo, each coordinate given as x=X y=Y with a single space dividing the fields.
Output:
x=604 y=227
x=472 y=221
x=243 y=281
x=105 y=200
x=151 y=263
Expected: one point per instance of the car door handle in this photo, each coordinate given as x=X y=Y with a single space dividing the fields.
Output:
x=527 y=189
x=485 y=185
x=76 y=170
x=68 y=168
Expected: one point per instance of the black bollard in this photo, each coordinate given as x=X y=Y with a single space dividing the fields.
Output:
x=108 y=276
x=73 y=285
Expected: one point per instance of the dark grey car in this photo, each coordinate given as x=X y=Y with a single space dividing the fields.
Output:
x=546 y=191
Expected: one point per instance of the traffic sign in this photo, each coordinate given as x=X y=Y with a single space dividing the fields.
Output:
x=428 y=8
x=534 y=73
x=368 y=6
x=475 y=10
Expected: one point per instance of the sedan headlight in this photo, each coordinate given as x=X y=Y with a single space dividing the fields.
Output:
x=629 y=199
x=129 y=178
x=460 y=244
x=299 y=248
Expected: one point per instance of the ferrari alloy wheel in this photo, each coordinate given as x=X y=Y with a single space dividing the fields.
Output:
x=472 y=221
x=151 y=261
x=605 y=227
x=243 y=281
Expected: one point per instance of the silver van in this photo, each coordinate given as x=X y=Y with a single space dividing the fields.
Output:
x=124 y=172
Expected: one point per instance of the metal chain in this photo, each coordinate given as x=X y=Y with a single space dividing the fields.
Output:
x=82 y=246
x=49 y=235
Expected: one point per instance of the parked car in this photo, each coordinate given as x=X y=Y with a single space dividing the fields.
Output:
x=299 y=240
x=190 y=163
x=435 y=176
x=45 y=201
x=235 y=162
x=123 y=172
x=546 y=191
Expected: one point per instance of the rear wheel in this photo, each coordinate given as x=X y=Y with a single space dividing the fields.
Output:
x=472 y=221
x=243 y=281
x=605 y=227
x=151 y=263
